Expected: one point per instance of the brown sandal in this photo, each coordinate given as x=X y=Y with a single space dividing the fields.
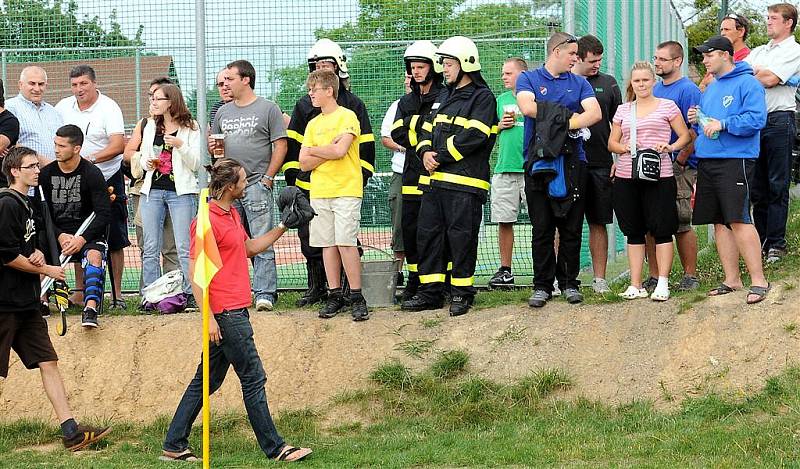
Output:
x=291 y=453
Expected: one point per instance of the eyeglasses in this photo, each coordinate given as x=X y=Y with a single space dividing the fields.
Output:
x=318 y=89
x=570 y=40
x=662 y=59
x=153 y=98
x=31 y=166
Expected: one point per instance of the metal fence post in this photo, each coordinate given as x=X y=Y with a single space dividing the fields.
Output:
x=200 y=72
x=3 y=58
x=138 y=79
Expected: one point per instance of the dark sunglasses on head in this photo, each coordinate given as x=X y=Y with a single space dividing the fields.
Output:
x=736 y=19
x=570 y=40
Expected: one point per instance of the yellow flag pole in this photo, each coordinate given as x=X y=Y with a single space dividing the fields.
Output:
x=206 y=408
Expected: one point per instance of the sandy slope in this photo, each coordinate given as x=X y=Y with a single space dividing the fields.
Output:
x=135 y=368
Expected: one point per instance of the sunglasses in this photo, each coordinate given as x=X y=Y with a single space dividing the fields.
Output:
x=738 y=20
x=570 y=40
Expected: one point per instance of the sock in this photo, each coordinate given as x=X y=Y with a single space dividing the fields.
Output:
x=505 y=268
x=335 y=291
x=663 y=283
x=355 y=295
x=69 y=427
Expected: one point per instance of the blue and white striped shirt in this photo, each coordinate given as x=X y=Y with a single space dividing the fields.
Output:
x=37 y=124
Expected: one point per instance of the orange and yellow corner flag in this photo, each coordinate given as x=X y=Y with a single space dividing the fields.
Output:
x=207 y=263
x=207 y=260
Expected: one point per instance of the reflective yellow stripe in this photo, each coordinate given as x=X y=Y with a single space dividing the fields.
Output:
x=449 y=266
x=427 y=126
x=423 y=143
x=424 y=180
x=458 y=179
x=294 y=135
x=476 y=124
x=462 y=282
x=451 y=148
x=463 y=122
x=412 y=133
x=302 y=184
x=442 y=118
x=431 y=278
x=290 y=165
x=411 y=190
x=495 y=129
x=397 y=123
x=364 y=138
x=366 y=165
x=411 y=267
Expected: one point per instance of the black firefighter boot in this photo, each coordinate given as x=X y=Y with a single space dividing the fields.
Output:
x=317 y=284
x=411 y=287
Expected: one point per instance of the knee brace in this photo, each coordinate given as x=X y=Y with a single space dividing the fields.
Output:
x=94 y=280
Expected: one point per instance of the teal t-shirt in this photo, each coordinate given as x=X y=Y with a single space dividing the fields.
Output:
x=510 y=158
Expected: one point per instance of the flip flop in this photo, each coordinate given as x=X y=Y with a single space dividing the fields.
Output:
x=760 y=292
x=292 y=453
x=186 y=456
x=722 y=289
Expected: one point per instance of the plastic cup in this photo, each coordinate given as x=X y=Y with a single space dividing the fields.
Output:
x=219 y=145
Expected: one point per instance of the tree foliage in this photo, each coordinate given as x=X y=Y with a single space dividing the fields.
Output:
x=51 y=24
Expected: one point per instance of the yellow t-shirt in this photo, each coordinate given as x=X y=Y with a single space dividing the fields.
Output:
x=335 y=178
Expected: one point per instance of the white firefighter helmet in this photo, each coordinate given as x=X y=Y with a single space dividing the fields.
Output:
x=463 y=50
x=325 y=49
x=422 y=51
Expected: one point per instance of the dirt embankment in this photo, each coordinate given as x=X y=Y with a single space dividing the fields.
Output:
x=135 y=368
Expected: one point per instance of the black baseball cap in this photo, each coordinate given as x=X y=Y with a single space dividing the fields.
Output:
x=714 y=43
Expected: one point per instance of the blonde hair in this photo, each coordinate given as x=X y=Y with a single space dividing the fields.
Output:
x=629 y=94
x=325 y=79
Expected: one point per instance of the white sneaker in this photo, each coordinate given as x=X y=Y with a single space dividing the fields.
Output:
x=599 y=285
x=264 y=304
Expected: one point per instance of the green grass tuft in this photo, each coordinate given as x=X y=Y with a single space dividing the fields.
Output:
x=393 y=375
x=449 y=364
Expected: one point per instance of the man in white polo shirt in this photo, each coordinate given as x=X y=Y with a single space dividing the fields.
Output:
x=774 y=64
x=38 y=120
x=100 y=119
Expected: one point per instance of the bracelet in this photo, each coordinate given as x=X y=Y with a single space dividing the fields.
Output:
x=269 y=178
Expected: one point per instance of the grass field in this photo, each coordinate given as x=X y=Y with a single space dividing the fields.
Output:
x=444 y=416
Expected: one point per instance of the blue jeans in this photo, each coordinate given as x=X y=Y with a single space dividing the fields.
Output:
x=237 y=348
x=770 y=191
x=153 y=209
x=256 y=210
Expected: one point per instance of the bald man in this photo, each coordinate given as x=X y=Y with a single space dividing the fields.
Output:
x=38 y=120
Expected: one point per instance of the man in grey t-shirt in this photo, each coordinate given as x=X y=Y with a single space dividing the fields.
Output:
x=255 y=136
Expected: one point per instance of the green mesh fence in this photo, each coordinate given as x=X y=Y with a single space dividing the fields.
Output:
x=131 y=43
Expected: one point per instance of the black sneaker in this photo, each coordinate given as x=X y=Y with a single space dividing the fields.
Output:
x=332 y=306
x=502 y=279
x=775 y=255
x=359 y=311
x=89 y=317
x=538 y=299
x=44 y=308
x=573 y=296
x=191 y=305
x=460 y=305
x=85 y=436
x=418 y=303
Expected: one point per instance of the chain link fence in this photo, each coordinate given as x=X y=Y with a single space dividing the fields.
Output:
x=129 y=44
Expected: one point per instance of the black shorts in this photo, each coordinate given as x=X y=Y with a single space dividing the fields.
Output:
x=118 y=227
x=599 y=199
x=646 y=207
x=723 y=191
x=25 y=333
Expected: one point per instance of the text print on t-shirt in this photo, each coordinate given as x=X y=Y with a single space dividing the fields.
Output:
x=239 y=126
x=66 y=195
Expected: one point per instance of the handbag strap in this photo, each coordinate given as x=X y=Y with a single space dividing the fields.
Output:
x=633 y=129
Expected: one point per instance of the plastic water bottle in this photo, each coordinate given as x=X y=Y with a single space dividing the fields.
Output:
x=703 y=120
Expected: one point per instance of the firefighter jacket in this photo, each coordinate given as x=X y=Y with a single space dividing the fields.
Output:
x=411 y=113
x=461 y=129
x=303 y=112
